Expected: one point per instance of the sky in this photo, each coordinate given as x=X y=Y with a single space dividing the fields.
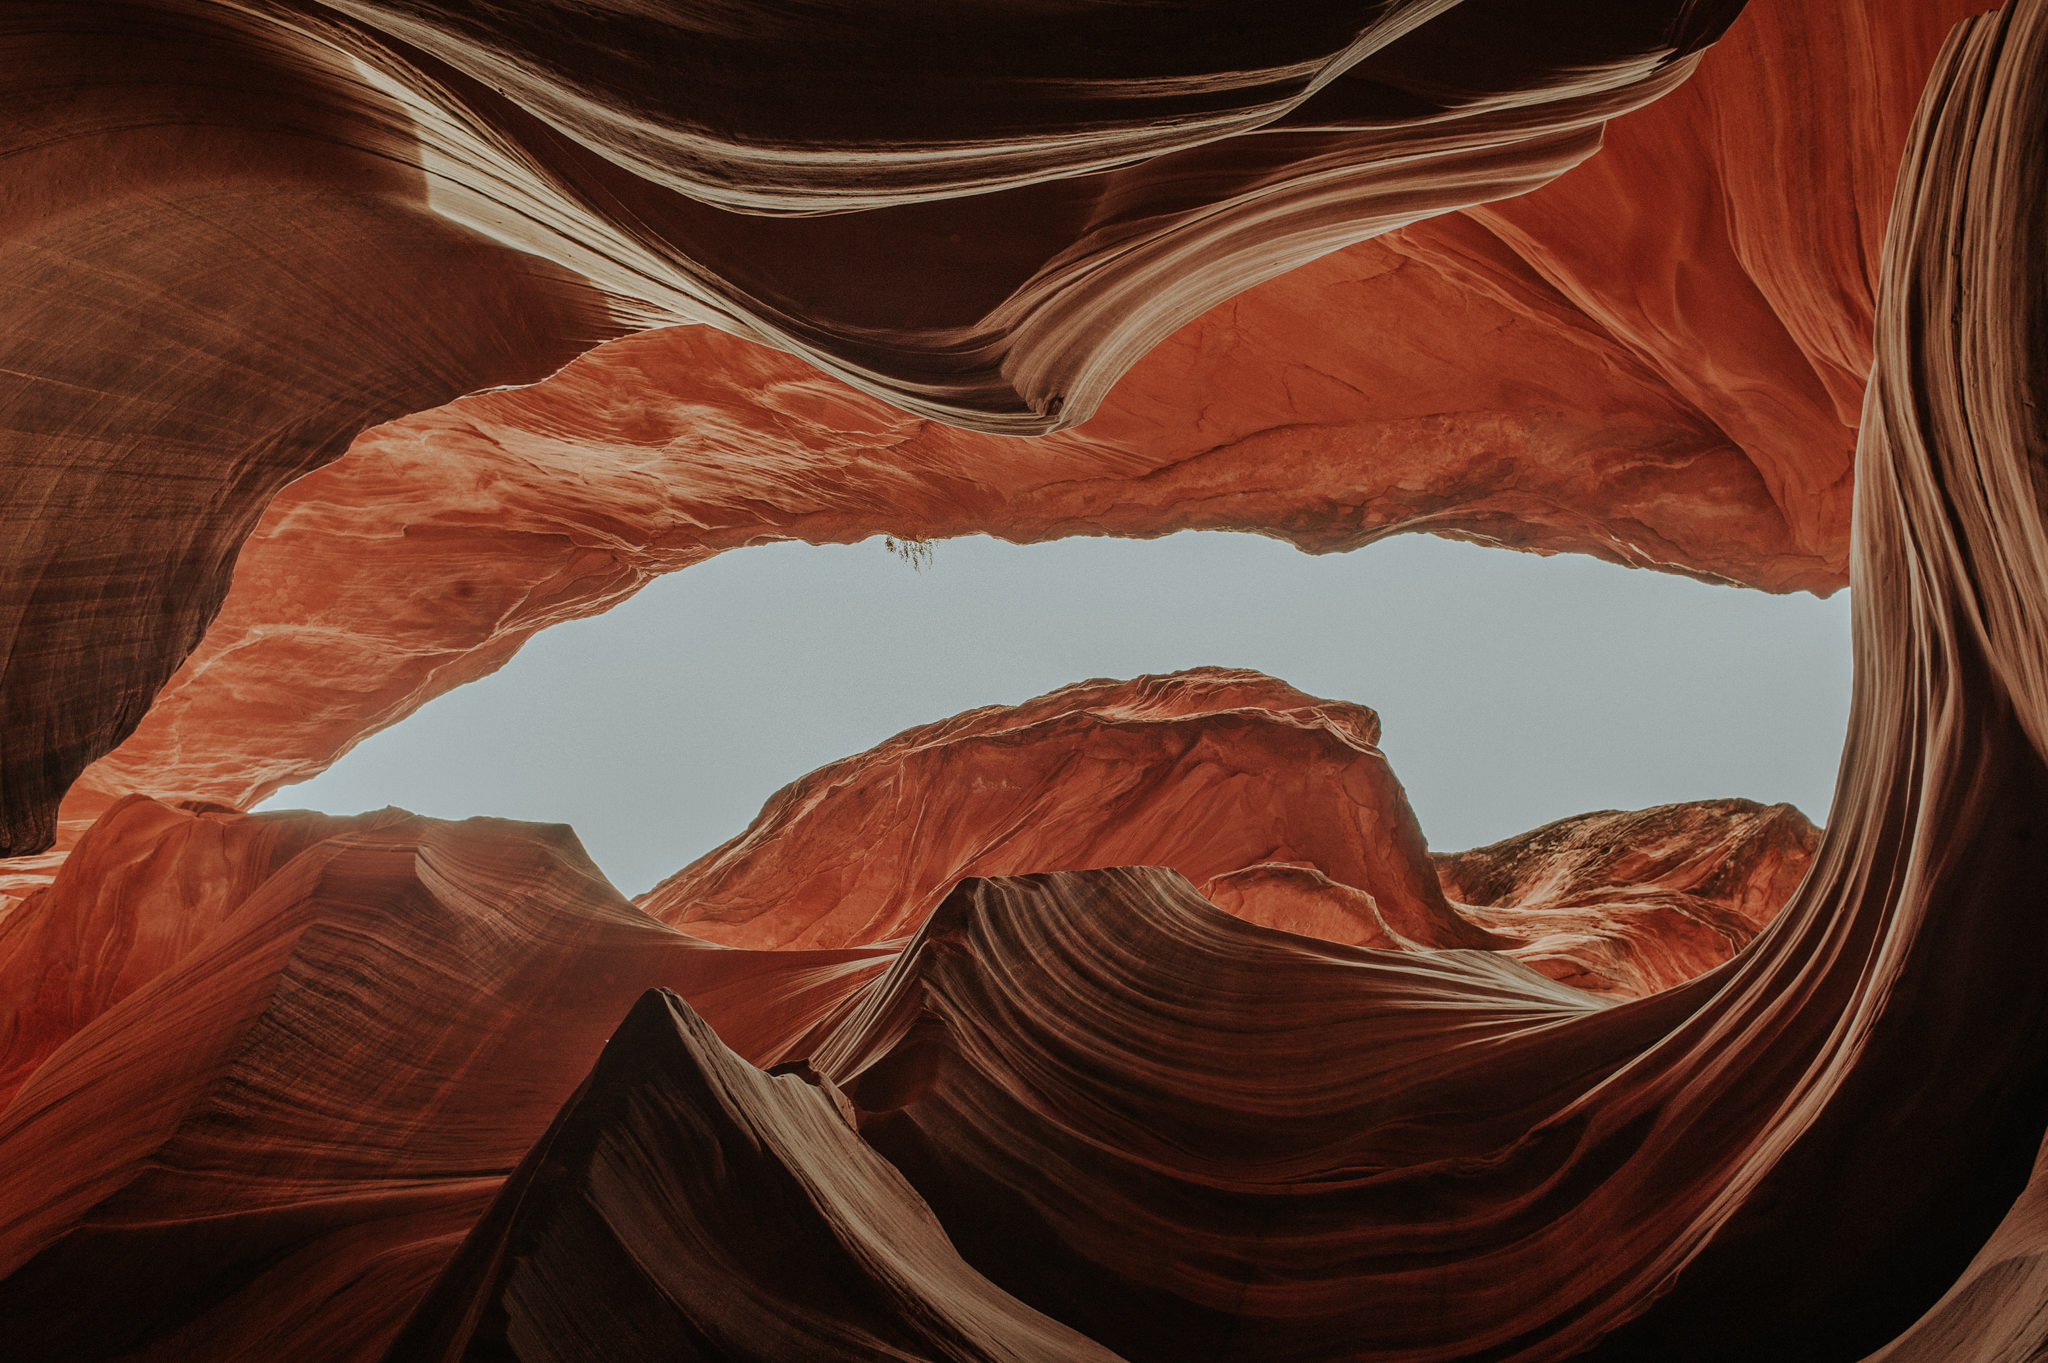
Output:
x=1512 y=689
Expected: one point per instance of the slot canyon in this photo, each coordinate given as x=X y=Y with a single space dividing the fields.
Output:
x=350 y=344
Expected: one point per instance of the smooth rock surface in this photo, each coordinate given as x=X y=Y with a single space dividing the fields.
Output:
x=685 y=1205
x=268 y=1114
x=1278 y=805
x=269 y=1147
x=1207 y=771
x=1571 y=374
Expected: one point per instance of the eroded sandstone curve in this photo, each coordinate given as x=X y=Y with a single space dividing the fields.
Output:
x=1278 y=806
x=987 y=219
x=263 y=1138
x=1546 y=393
x=686 y=1205
x=1692 y=1175
x=1795 y=1155
x=215 y=271
x=1208 y=771
x=1635 y=902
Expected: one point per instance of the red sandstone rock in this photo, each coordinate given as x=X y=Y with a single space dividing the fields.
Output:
x=269 y=1146
x=138 y=897
x=1162 y=1125
x=1791 y=1157
x=243 y=968
x=1998 y=1307
x=214 y=273
x=685 y=1205
x=1277 y=805
x=1541 y=397
x=1207 y=771
x=1633 y=903
x=1245 y=1190
x=987 y=219
x=237 y=235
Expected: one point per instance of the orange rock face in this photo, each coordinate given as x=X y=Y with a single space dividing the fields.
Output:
x=1277 y=805
x=1634 y=903
x=192 y=215
x=228 y=981
x=780 y=1233
x=263 y=1130
x=1208 y=772
x=370 y=174
x=1136 y=1021
x=137 y=899
x=1549 y=390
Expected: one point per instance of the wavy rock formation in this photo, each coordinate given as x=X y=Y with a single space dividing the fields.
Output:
x=1997 y=1311
x=226 y=982
x=987 y=219
x=140 y=895
x=1638 y=902
x=686 y=1205
x=270 y=1075
x=1222 y=1197
x=1208 y=771
x=1545 y=393
x=265 y=1142
x=379 y=207
x=1278 y=805
x=213 y=274
x=1191 y=1136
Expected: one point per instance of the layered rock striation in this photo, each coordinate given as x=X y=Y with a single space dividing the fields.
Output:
x=687 y=1205
x=377 y=208
x=1675 y=388
x=1636 y=902
x=264 y=1140
x=1795 y=1155
x=1209 y=772
x=1042 y=1036
x=1279 y=806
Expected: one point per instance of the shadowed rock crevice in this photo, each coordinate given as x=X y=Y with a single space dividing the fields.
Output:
x=685 y=1205
x=272 y=1073
x=215 y=272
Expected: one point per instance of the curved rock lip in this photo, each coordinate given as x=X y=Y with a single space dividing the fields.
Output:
x=685 y=1204
x=239 y=237
x=273 y=1073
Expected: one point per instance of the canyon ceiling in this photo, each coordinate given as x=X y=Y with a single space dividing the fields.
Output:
x=349 y=344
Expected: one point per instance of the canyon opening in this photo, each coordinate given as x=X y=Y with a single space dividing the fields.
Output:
x=1035 y=1007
